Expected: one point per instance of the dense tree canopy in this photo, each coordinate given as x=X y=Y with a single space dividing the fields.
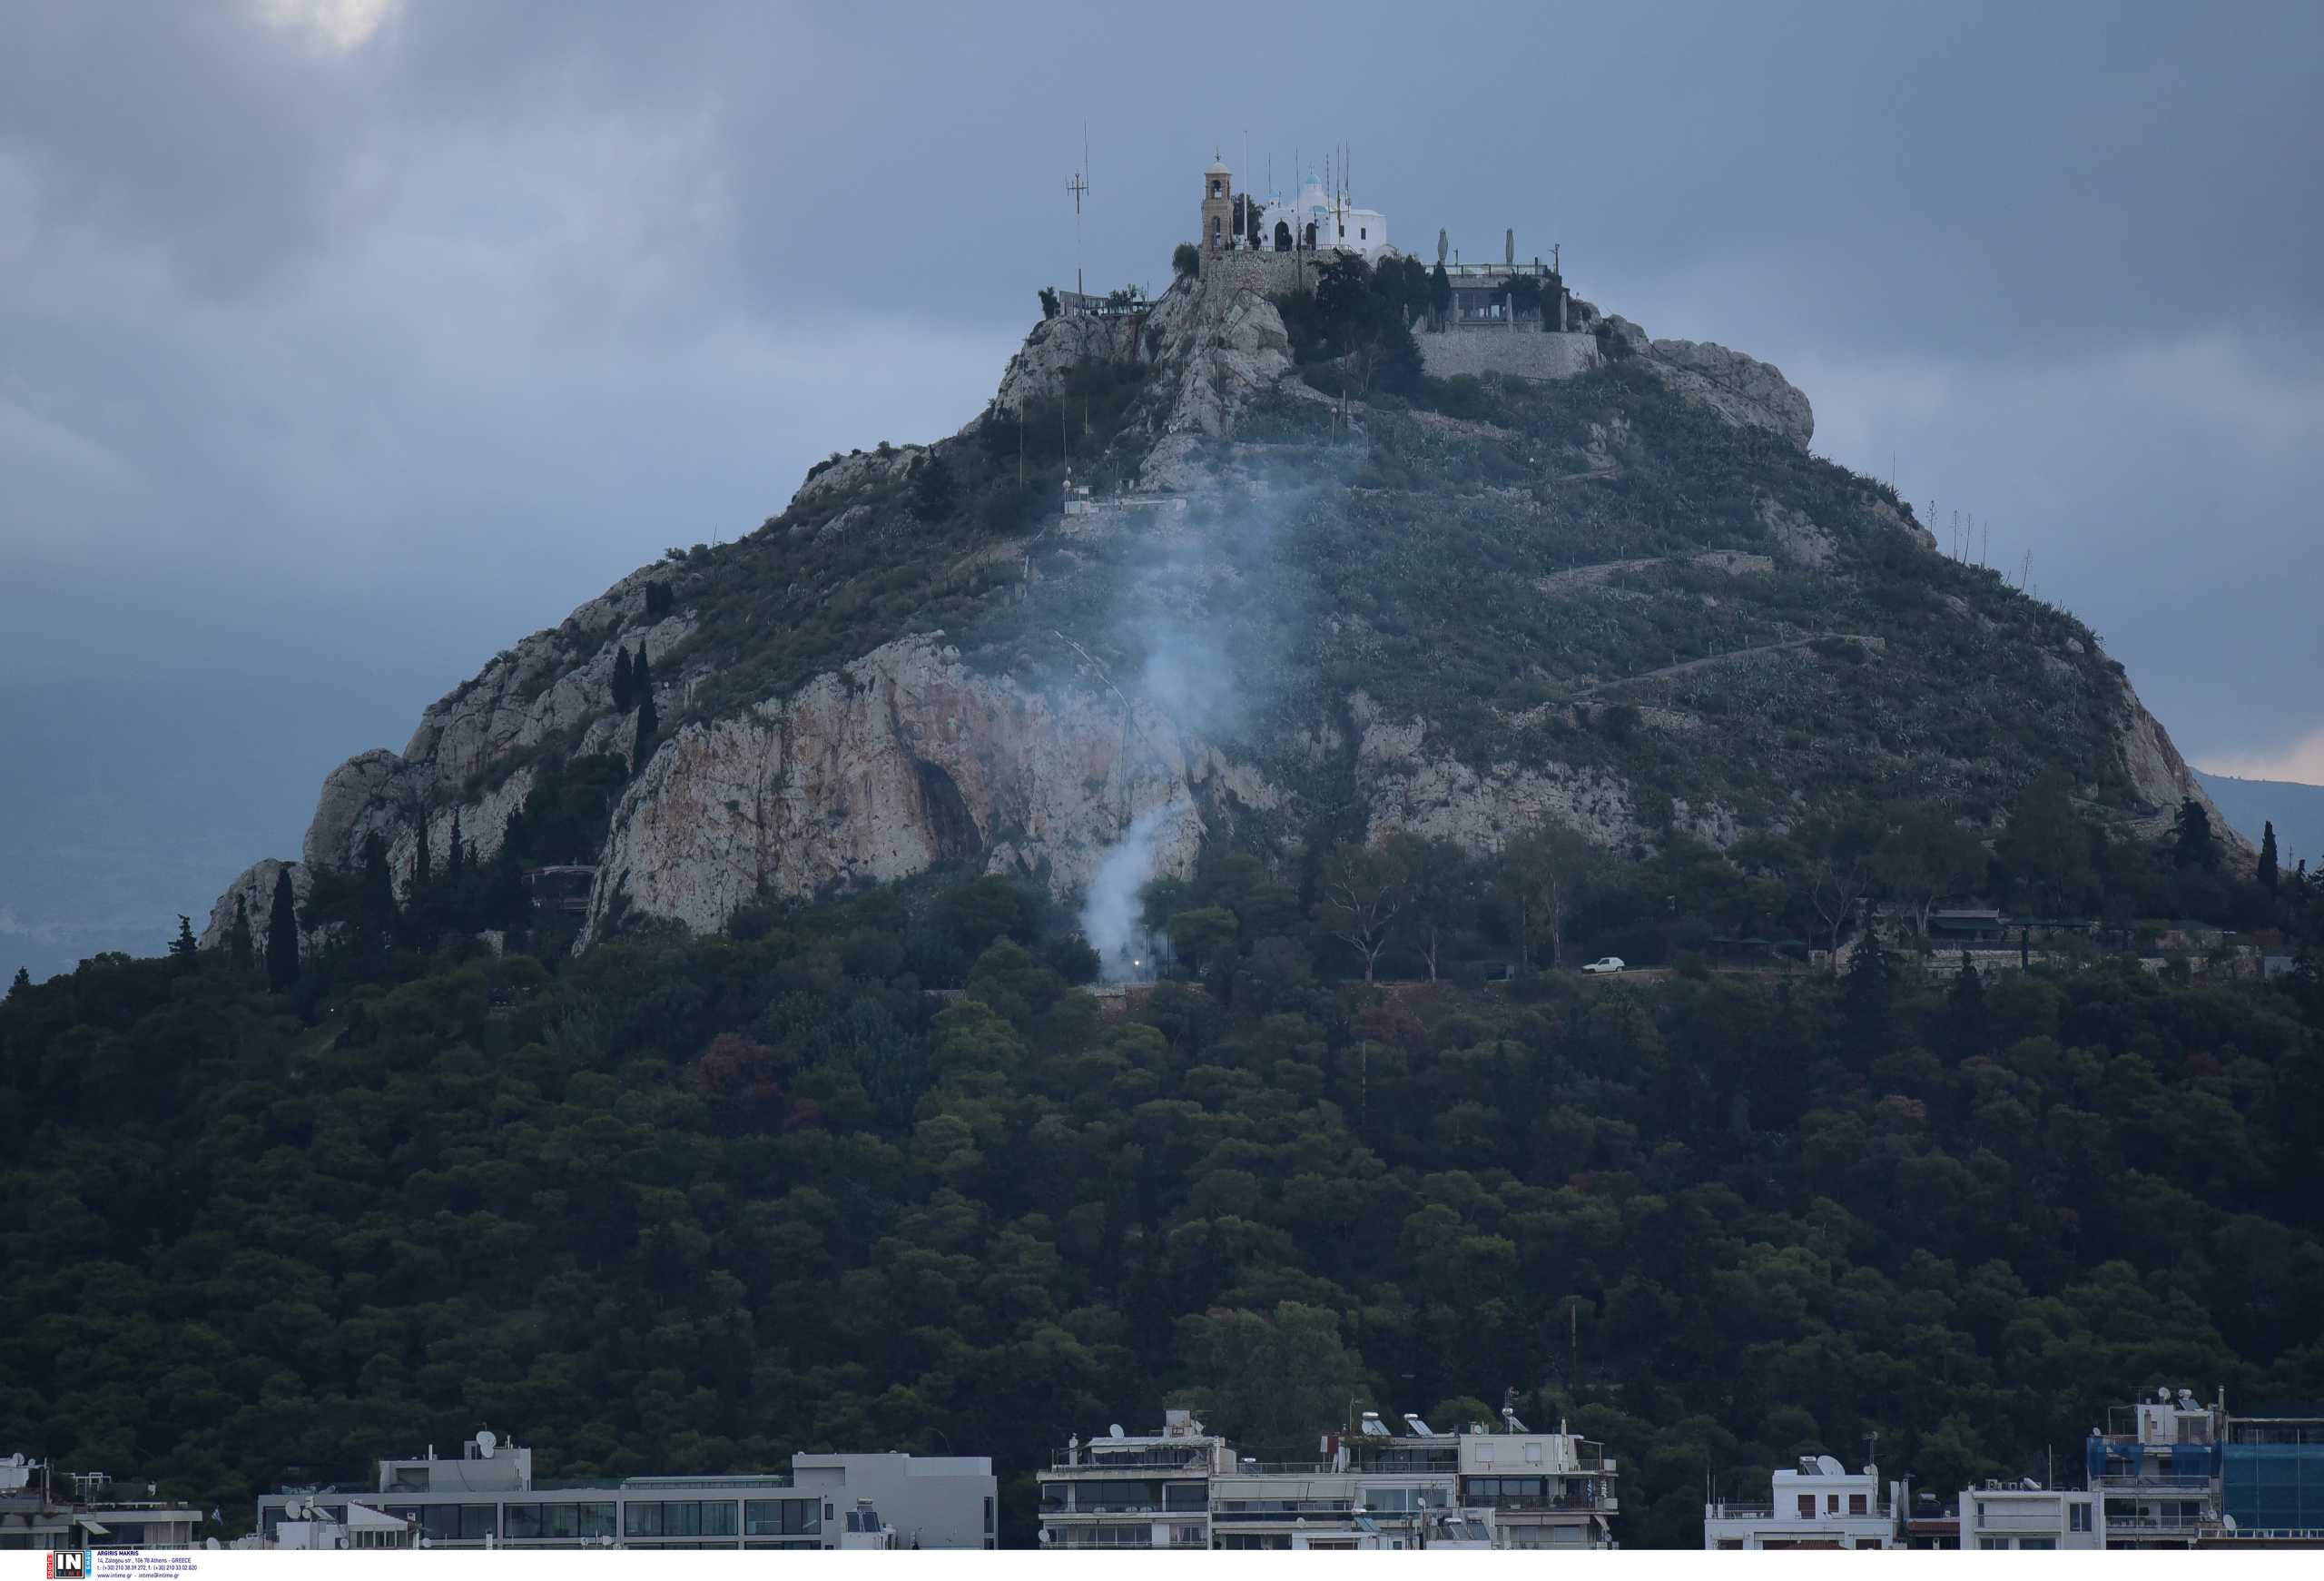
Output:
x=693 y=1204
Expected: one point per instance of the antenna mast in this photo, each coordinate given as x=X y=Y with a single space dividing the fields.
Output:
x=1076 y=186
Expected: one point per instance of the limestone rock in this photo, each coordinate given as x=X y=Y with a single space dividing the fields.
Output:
x=255 y=886
x=1437 y=796
x=2163 y=780
x=902 y=759
x=1055 y=348
x=1741 y=388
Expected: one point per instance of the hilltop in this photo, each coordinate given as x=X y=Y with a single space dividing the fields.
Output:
x=1308 y=595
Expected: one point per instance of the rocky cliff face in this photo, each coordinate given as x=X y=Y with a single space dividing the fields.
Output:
x=906 y=752
x=1741 y=388
x=898 y=761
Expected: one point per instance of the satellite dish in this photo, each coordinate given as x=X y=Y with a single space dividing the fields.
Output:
x=2163 y=1394
x=485 y=1443
x=2227 y=1521
x=1830 y=1466
x=1114 y=1430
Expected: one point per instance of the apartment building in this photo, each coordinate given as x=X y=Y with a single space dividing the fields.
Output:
x=2156 y=1467
x=1185 y=1487
x=489 y=1497
x=2027 y=1516
x=1820 y=1503
x=40 y=1508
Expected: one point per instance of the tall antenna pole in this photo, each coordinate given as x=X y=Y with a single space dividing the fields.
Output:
x=1076 y=186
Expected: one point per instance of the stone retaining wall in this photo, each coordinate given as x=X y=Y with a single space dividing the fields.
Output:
x=1519 y=353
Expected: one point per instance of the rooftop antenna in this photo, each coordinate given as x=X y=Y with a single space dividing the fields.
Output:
x=1077 y=187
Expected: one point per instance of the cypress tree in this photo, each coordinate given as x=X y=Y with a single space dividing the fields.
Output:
x=283 y=935
x=2268 y=874
x=182 y=948
x=375 y=901
x=238 y=937
x=625 y=681
x=422 y=864
x=22 y=984
x=643 y=748
x=456 y=864
x=647 y=722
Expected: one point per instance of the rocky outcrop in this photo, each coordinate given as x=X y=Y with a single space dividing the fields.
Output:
x=1742 y=390
x=1437 y=796
x=1055 y=347
x=2163 y=779
x=904 y=759
x=255 y=889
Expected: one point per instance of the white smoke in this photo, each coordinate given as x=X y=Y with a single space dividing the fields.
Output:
x=1109 y=916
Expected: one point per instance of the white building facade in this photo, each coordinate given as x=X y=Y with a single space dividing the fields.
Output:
x=1820 y=1505
x=488 y=1497
x=1319 y=220
x=1185 y=1487
x=2000 y=1517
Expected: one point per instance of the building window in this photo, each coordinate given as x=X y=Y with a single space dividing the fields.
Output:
x=1993 y=1542
x=988 y=1513
x=1807 y=1507
x=2037 y=1542
x=523 y=1520
x=594 y=1519
x=1855 y=1504
x=441 y=1523
x=479 y=1521
x=1831 y=1504
x=782 y=1518
x=1183 y=1496
x=2078 y=1518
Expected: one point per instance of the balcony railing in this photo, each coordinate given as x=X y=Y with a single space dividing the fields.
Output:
x=1529 y=1501
x=1088 y=1459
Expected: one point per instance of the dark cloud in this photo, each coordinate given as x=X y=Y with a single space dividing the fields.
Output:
x=350 y=339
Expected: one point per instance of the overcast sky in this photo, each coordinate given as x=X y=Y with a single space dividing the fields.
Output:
x=344 y=341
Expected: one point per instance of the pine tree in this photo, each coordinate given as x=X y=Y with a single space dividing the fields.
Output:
x=22 y=984
x=283 y=935
x=182 y=949
x=625 y=681
x=238 y=937
x=2268 y=874
x=2194 y=843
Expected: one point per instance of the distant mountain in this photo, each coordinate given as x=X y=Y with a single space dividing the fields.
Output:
x=1298 y=591
x=2296 y=810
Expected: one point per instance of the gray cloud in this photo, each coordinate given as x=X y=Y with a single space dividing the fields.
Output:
x=351 y=363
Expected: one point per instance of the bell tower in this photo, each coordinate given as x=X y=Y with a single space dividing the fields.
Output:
x=1218 y=208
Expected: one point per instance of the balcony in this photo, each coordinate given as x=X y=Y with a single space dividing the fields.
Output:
x=1525 y=1503
x=1089 y=1459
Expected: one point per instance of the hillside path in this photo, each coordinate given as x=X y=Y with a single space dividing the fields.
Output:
x=1875 y=643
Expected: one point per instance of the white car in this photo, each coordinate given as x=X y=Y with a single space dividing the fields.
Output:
x=1605 y=963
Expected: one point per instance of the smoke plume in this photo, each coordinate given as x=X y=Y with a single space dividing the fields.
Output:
x=1109 y=916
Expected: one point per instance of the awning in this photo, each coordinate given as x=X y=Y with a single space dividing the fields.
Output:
x=363 y=1518
x=102 y=1530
